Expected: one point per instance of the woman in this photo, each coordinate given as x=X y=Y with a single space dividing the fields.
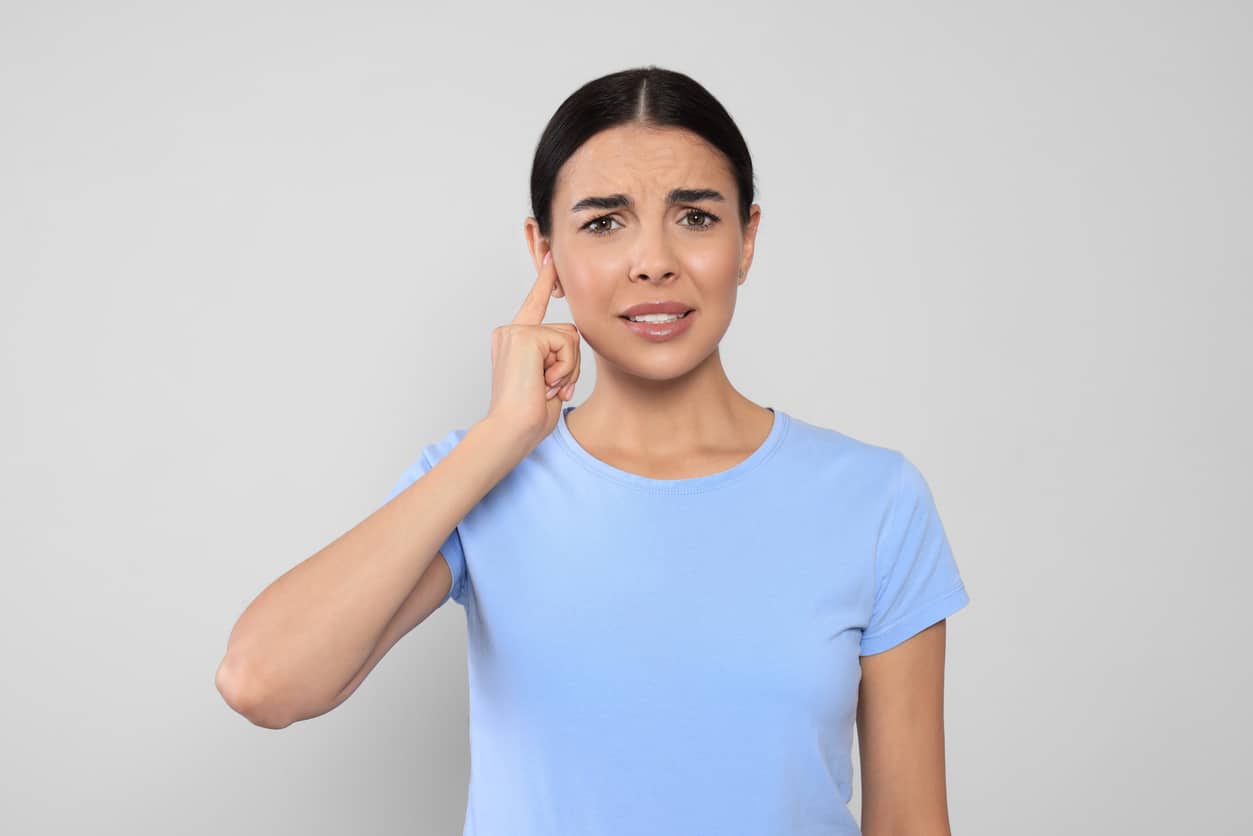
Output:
x=678 y=601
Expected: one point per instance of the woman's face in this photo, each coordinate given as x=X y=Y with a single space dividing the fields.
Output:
x=633 y=242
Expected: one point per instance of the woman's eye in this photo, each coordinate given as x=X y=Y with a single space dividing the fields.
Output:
x=593 y=226
x=596 y=225
x=711 y=219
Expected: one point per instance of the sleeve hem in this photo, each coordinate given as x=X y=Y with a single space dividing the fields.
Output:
x=455 y=558
x=452 y=586
x=937 y=609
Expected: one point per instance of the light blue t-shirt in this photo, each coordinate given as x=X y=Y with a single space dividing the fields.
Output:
x=657 y=657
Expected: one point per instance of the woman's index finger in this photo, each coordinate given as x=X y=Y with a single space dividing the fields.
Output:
x=536 y=303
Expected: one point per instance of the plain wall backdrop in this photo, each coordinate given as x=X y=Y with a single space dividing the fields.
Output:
x=251 y=255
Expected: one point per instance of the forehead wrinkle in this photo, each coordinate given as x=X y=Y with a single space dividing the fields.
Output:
x=643 y=164
x=643 y=182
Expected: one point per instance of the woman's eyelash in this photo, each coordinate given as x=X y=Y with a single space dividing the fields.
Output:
x=713 y=219
x=590 y=226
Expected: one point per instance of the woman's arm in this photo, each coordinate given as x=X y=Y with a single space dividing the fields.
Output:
x=311 y=635
x=900 y=734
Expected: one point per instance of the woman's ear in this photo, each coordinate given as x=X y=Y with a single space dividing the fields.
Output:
x=559 y=292
x=541 y=246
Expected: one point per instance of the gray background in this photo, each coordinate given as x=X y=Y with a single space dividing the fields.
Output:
x=252 y=254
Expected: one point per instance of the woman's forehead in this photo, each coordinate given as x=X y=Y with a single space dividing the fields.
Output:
x=644 y=163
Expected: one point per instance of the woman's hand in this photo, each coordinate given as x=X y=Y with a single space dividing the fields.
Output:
x=534 y=365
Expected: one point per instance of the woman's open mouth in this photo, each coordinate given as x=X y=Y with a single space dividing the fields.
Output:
x=659 y=327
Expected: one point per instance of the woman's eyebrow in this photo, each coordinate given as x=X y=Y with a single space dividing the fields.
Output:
x=619 y=201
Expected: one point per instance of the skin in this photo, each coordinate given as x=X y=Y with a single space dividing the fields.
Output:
x=668 y=411
x=900 y=738
x=664 y=410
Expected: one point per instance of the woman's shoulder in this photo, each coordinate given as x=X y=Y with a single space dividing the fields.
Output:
x=821 y=443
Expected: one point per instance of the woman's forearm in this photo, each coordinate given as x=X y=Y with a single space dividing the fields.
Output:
x=307 y=634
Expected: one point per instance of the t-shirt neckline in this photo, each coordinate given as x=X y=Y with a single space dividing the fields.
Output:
x=693 y=484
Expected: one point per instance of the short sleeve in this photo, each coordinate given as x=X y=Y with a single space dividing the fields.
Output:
x=452 y=550
x=917 y=581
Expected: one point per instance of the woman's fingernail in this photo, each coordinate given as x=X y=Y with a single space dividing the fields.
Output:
x=550 y=392
x=548 y=256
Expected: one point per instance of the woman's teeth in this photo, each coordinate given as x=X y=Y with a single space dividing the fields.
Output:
x=660 y=317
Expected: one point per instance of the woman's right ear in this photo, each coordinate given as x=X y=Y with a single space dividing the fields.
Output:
x=558 y=292
x=541 y=246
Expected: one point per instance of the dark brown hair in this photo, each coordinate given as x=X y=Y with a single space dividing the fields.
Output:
x=644 y=95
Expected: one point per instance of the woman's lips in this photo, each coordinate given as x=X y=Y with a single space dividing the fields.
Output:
x=660 y=331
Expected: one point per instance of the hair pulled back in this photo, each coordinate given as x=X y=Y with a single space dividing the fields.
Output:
x=649 y=96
